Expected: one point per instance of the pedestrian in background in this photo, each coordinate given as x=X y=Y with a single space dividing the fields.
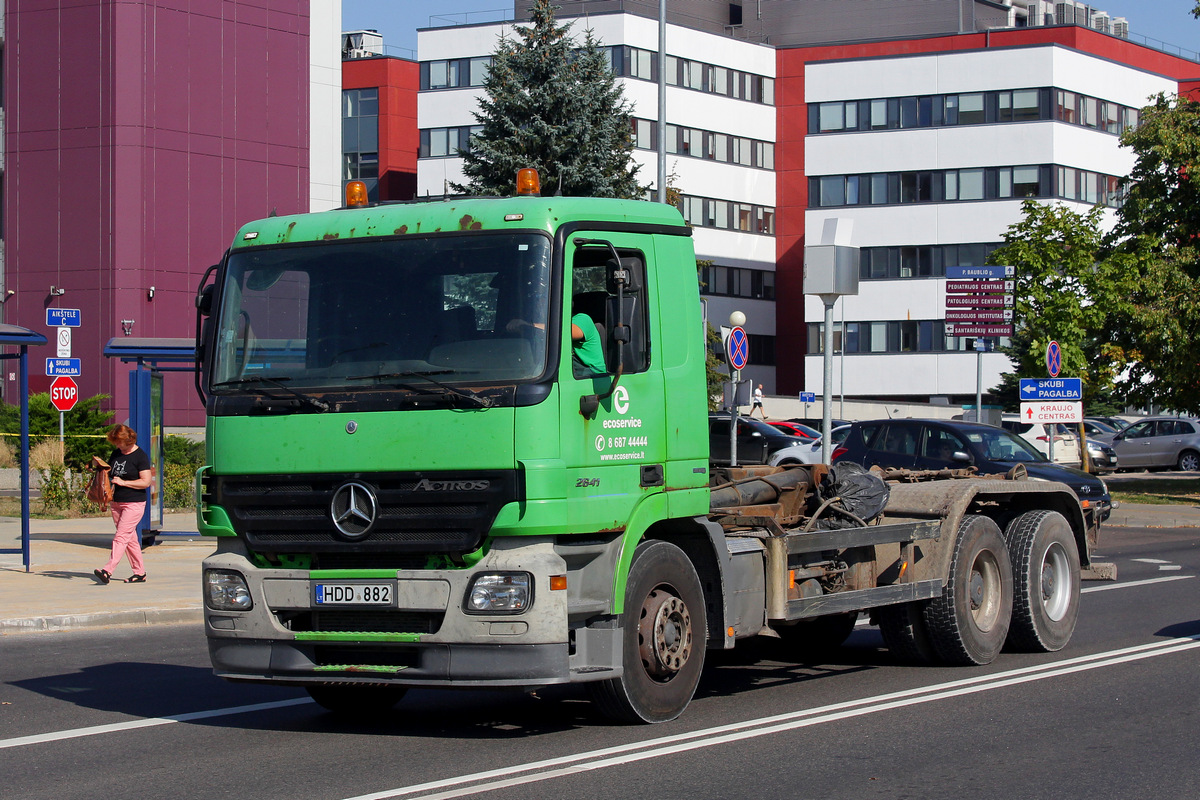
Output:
x=757 y=405
x=129 y=470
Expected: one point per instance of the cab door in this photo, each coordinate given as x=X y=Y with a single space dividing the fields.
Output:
x=613 y=437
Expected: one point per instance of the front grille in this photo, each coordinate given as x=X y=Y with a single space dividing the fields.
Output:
x=368 y=561
x=289 y=513
x=365 y=621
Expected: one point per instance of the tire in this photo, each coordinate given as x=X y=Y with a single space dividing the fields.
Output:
x=905 y=634
x=1045 y=562
x=1189 y=461
x=969 y=623
x=663 y=639
x=357 y=701
x=818 y=636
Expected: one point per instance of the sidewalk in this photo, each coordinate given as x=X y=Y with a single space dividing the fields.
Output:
x=60 y=593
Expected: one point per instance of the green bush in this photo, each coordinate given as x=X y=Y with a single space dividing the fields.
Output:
x=85 y=426
x=183 y=451
x=178 y=486
x=56 y=489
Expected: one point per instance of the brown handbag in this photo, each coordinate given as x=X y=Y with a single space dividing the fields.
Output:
x=99 y=489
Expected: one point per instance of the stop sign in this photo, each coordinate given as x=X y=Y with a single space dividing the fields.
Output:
x=64 y=393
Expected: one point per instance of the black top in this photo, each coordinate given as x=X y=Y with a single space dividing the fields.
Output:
x=128 y=467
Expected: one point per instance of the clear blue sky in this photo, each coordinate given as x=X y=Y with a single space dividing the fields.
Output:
x=1161 y=20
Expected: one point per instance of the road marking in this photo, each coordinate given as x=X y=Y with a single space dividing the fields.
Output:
x=1168 y=567
x=116 y=727
x=1151 y=561
x=75 y=733
x=1129 y=584
x=507 y=777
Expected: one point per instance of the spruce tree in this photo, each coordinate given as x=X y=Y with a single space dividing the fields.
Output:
x=557 y=109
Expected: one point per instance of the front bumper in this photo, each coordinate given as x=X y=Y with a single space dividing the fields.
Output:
x=426 y=639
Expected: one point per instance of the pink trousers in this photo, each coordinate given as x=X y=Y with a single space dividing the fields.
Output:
x=128 y=540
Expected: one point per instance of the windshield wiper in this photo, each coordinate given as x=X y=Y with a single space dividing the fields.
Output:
x=311 y=402
x=453 y=391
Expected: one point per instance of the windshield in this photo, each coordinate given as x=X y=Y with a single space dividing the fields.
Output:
x=999 y=445
x=349 y=314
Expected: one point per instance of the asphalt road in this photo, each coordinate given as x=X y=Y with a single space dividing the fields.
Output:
x=136 y=712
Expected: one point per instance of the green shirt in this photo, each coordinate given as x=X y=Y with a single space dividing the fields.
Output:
x=587 y=354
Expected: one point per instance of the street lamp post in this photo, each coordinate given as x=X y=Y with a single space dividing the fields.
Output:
x=830 y=271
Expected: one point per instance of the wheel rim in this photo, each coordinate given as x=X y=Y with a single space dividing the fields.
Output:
x=1056 y=582
x=1189 y=462
x=983 y=590
x=664 y=635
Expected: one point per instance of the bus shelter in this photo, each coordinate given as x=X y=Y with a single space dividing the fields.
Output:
x=151 y=358
x=22 y=338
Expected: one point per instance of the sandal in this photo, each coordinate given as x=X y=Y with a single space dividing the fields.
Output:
x=136 y=578
x=102 y=575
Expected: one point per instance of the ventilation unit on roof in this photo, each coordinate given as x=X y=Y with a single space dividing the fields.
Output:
x=1120 y=27
x=1101 y=22
x=1067 y=14
x=361 y=44
x=1038 y=13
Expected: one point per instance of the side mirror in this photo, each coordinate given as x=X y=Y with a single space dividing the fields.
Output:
x=959 y=455
x=204 y=299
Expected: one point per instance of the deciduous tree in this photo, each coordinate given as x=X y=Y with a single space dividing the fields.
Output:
x=1063 y=289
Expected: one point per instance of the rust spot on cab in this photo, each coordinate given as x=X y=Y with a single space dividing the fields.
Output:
x=403 y=229
x=469 y=223
x=329 y=236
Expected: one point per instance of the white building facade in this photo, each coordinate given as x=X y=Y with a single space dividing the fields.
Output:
x=720 y=143
x=926 y=146
x=971 y=135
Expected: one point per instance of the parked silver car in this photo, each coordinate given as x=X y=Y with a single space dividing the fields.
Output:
x=1159 y=442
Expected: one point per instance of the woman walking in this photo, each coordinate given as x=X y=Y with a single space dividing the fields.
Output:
x=129 y=470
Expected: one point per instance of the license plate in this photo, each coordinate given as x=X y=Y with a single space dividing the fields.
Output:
x=354 y=594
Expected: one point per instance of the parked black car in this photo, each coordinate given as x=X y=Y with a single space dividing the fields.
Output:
x=952 y=444
x=756 y=440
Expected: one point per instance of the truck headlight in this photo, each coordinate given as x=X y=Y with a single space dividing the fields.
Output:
x=226 y=590
x=500 y=593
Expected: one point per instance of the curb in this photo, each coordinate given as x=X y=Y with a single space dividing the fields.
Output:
x=65 y=622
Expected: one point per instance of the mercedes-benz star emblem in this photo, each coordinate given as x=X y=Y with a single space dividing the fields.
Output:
x=353 y=509
x=351 y=426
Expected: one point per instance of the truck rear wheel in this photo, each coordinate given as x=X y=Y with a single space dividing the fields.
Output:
x=904 y=632
x=356 y=701
x=663 y=638
x=969 y=622
x=1045 y=561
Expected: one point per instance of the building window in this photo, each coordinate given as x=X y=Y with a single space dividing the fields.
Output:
x=920 y=261
x=360 y=138
x=894 y=336
x=753 y=284
x=975 y=108
x=935 y=186
x=444 y=142
x=454 y=73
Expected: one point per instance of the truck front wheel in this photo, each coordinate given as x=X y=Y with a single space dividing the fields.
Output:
x=1045 y=562
x=663 y=638
x=969 y=622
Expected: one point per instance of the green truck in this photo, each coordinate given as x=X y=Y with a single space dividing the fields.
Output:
x=413 y=481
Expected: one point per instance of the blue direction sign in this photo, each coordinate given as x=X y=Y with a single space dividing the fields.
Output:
x=808 y=397
x=62 y=318
x=1051 y=389
x=63 y=366
x=738 y=347
x=971 y=273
